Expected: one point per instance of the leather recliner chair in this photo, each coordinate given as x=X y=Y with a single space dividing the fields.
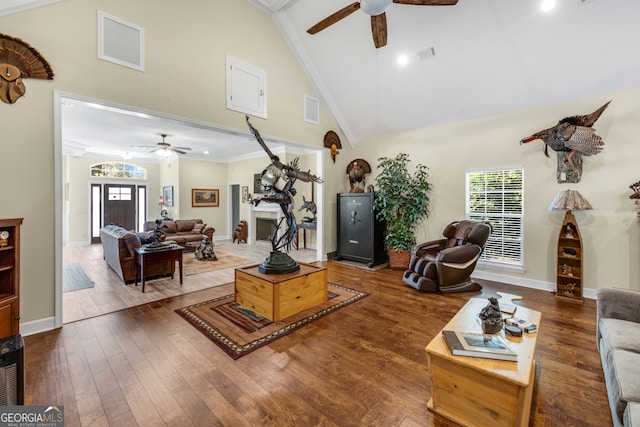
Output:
x=446 y=264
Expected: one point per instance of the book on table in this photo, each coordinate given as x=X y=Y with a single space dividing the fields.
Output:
x=479 y=345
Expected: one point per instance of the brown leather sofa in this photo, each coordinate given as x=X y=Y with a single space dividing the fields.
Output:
x=183 y=231
x=119 y=251
x=446 y=264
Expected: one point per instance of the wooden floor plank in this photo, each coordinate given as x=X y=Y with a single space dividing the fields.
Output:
x=362 y=365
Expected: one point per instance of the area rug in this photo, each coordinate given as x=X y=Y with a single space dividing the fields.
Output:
x=74 y=278
x=239 y=331
x=191 y=265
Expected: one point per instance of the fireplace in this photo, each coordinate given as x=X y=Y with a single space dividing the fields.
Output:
x=268 y=213
x=265 y=227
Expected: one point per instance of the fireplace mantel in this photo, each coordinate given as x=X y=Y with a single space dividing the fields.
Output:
x=252 y=213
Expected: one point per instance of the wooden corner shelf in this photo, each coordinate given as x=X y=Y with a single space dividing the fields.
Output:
x=569 y=283
x=10 y=277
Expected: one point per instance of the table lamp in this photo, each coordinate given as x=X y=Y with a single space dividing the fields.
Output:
x=569 y=200
x=160 y=203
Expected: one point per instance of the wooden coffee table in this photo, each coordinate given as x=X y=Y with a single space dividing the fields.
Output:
x=483 y=392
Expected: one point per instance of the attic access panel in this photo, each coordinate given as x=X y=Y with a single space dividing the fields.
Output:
x=246 y=88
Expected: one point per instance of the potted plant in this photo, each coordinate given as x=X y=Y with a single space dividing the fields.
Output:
x=402 y=202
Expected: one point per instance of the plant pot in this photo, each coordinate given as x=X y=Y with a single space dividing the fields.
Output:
x=399 y=260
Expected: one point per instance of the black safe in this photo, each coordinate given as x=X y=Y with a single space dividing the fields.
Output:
x=360 y=234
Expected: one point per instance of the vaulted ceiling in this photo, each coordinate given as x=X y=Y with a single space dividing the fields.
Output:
x=477 y=58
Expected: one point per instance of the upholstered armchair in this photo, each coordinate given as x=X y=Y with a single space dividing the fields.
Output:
x=446 y=264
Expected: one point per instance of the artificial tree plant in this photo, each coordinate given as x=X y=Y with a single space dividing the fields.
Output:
x=402 y=202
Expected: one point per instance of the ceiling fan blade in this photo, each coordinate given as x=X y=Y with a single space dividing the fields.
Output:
x=143 y=146
x=428 y=2
x=178 y=151
x=183 y=148
x=379 y=30
x=332 y=19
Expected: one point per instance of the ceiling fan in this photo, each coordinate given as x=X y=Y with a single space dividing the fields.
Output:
x=376 y=9
x=163 y=148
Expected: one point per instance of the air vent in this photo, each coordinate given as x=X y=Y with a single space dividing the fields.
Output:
x=120 y=42
x=311 y=110
x=427 y=53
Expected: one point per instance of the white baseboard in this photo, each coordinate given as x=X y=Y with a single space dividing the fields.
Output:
x=75 y=244
x=525 y=283
x=37 y=326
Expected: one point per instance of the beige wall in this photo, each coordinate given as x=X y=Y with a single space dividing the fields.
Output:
x=610 y=231
x=185 y=47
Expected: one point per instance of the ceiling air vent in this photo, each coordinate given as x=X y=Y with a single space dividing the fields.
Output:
x=427 y=53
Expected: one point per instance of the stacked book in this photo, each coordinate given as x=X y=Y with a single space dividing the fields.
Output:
x=479 y=345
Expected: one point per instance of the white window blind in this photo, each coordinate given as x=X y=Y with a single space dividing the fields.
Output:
x=497 y=196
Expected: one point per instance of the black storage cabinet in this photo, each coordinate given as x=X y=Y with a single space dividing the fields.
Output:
x=360 y=234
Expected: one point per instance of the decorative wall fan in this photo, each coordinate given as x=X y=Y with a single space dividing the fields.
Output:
x=376 y=9
x=163 y=148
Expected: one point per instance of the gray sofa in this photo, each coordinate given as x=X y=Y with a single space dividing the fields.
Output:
x=618 y=340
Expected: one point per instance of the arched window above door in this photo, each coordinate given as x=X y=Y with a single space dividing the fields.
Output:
x=117 y=170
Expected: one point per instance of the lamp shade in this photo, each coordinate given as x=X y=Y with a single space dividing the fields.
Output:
x=161 y=200
x=569 y=200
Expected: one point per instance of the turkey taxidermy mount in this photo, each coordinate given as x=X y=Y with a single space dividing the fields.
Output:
x=377 y=10
x=18 y=60
x=571 y=138
x=332 y=142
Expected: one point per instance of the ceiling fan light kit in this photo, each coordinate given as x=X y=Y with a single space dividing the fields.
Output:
x=375 y=7
x=163 y=148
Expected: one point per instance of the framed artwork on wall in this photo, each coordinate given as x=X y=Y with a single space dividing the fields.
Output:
x=205 y=198
x=167 y=195
x=257 y=183
x=245 y=194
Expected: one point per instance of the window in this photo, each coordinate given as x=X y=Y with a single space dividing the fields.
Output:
x=497 y=196
x=118 y=170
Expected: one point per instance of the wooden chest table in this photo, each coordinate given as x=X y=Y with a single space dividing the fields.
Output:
x=483 y=392
x=277 y=296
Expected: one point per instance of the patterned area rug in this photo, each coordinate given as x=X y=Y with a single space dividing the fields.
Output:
x=191 y=265
x=239 y=331
x=74 y=278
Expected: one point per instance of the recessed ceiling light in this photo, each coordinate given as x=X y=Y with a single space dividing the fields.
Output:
x=547 y=5
x=206 y=152
x=403 y=59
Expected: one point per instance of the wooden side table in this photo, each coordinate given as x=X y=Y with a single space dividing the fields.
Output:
x=144 y=257
x=305 y=227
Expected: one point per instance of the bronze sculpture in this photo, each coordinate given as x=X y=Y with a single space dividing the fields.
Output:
x=279 y=262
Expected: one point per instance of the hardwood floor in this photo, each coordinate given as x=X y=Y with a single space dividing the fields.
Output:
x=363 y=365
x=109 y=293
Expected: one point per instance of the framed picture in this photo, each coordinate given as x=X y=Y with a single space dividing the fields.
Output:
x=257 y=183
x=167 y=195
x=245 y=194
x=203 y=198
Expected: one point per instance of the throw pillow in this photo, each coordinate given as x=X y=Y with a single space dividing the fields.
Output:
x=197 y=229
x=132 y=241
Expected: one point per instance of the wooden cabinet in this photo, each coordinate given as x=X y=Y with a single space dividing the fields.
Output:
x=277 y=296
x=569 y=261
x=9 y=276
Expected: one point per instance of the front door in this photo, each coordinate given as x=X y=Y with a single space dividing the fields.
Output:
x=120 y=205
